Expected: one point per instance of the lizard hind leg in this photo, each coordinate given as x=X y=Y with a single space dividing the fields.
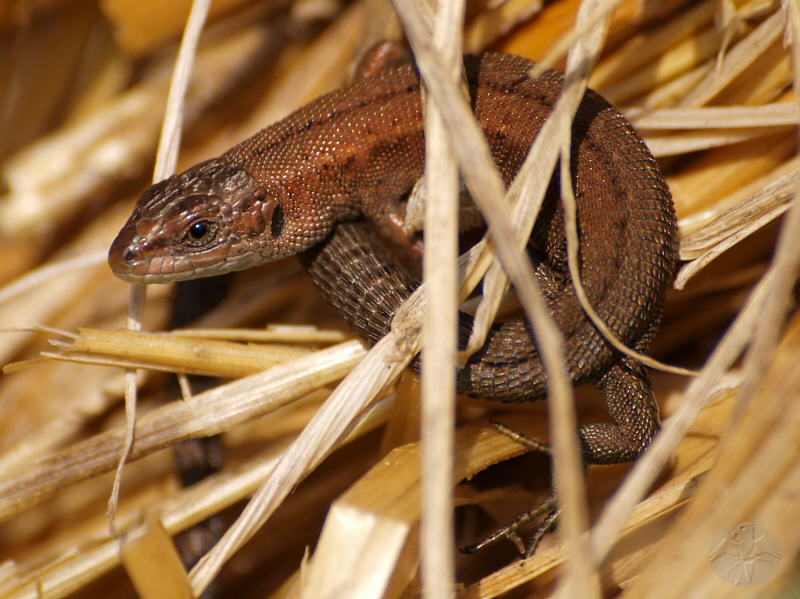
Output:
x=630 y=402
x=548 y=508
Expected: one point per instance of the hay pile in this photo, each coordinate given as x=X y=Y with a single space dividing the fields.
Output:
x=709 y=85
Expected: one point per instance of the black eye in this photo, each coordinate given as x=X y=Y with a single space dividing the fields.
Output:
x=200 y=232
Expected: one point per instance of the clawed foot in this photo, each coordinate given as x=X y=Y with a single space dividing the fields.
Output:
x=546 y=508
x=509 y=531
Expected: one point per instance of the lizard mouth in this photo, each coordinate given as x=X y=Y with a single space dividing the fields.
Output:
x=133 y=259
x=166 y=268
x=154 y=271
x=128 y=263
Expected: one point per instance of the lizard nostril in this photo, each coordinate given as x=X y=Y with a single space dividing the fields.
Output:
x=128 y=256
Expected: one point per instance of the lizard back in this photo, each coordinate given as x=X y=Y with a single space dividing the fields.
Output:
x=626 y=224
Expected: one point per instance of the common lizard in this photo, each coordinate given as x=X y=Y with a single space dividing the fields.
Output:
x=355 y=153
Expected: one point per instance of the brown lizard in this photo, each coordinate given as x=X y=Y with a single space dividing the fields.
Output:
x=355 y=153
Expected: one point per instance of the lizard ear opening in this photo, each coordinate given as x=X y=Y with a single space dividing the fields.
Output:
x=277 y=222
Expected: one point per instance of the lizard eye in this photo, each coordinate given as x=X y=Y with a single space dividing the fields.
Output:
x=200 y=232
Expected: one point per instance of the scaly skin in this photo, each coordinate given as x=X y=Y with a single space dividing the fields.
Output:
x=356 y=152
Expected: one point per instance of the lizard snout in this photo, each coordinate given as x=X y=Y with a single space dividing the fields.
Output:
x=121 y=255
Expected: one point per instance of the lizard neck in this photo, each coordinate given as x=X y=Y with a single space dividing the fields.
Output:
x=356 y=151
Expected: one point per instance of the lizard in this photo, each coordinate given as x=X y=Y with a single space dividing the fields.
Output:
x=356 y=152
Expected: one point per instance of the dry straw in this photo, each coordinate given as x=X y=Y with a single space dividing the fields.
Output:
x=710 y=86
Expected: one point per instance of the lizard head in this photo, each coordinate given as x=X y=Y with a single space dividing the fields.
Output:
x=211 y=219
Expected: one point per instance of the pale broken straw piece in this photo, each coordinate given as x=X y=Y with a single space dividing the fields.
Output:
x=209 y=413
x=716 y=117
x=581 y=574
x=382 y=364
x=501 y=17
x=737 y=60
x=275 y=333
x=167 y=156
x=438 y=410
x=368 y=533
x=739 y=222
x=658 y=506
x=584 y=25
x=697 y=51
x=487 y=190
x=185 y=355
x=645 y=47
x=678 y=144
x=87 y=562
